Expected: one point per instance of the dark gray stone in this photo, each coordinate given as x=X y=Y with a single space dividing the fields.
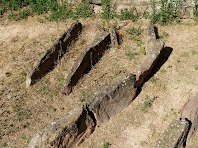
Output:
x=49 y=60
x=88 y=57
x=175 y=135
x=112 y=98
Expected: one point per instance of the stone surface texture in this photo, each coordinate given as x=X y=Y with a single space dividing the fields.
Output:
x=153 y=47
x=49 y=60
x=112 y=98
x=68 y=131
x=114 y=40
x=190 y=112
x=88 y=57
x=175 y=135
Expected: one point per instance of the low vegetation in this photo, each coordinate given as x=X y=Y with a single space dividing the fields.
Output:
x=59 y=10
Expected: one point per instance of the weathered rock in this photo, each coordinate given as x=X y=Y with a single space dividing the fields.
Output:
x=153 y=47
x=190 y=112
x=175 y=135
x=112 y=98
x=49 y=60
x=114 y=40
x=88 y=57
x=68 y=132
x=151 y=37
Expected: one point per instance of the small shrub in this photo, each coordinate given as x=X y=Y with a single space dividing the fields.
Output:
x=128 y=14
x=108 y=11
x=169 y=11
x=106 y=145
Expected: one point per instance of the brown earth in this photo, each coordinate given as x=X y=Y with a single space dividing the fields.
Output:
x=23 y=111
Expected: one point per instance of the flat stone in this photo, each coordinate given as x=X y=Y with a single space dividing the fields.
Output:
x=49 y=60
x=175 y=135
x=112 y=98
x=68 y=131
x=88 y=57
x=190 y=112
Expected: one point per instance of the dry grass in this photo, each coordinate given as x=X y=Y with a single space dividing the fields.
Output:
x=23 y=112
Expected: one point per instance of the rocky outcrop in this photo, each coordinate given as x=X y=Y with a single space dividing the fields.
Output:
x=175 y=135
x=88 y=57
x=190 y=112
x=68 y=132
x=112 y=98
x=49 y=60
x=154 y=47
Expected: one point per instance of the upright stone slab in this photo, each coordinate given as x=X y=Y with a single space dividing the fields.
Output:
x=153 y=47
x=175 y=135
x=88 y=57
x=114 y=40
x=190 y=112
x=68 y=132
x=49 y=60
x=112 y=98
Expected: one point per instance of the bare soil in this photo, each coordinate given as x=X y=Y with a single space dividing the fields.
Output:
x=23 y=112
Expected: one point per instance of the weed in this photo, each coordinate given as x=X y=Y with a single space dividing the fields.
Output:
x=169 y=11
x=195 y=9
x=164 y=119
x=108 y=11
x=131 y=55
x=53 y=109
x=82 y=10
x=153 y=79
x=143 y=51
x=163 y=71
x=134 y=31
x=146 y=15
x=61 y=78
x=128 y=14
x=142 y=143
x=80 y=100
x=13 y=16
x=194 y=52
x=4 y=144
x=25 y=138
x=165 y=34
x=153 y=15
x=170 y=66
x=106 y=145
x=147 y=103
x=174 y=112
x=25 y=13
